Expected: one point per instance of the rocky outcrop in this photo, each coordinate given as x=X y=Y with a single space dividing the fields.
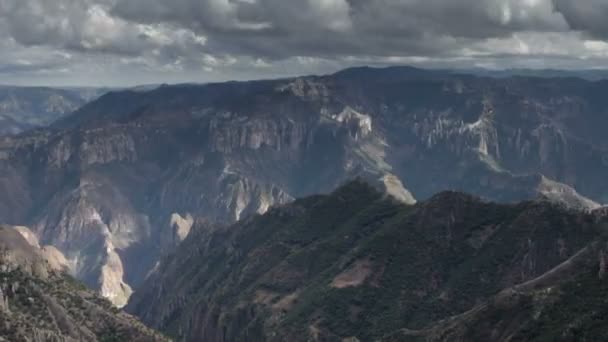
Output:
x=180 y=228
x=561 y=193
x=54 y=258
x=16 y=253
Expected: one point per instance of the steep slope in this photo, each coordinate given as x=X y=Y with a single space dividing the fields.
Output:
x=105 y=184
x=355 y=264
x=25 y=108
x=565 y=304
x=40 y=303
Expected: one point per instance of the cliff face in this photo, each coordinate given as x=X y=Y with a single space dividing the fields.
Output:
x=357 y=265
x=105 y=184
x=38 y=302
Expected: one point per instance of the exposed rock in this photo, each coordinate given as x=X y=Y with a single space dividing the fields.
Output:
x=55 y=258
x=16 y=253
x=355 y=276
x=28 y=235
x=394 y=187
x=181 y=226
x=561 y=193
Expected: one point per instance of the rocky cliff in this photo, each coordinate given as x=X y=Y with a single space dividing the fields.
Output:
x=107 y=185
x=359 y=266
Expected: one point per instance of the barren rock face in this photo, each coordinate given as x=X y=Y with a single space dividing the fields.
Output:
x=103 y=185
x=92 y=225
x=181 y=226
x=55 y=259
x=16 y=253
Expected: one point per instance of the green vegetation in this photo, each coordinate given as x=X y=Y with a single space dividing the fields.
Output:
x=41 y=304
x=577 y=311
x=358 y=264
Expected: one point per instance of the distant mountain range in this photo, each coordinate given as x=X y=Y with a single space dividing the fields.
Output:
x=120 y=182
x=25 y=108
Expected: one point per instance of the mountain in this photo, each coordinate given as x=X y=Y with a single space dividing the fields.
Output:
x=357 y=265
x=38 y=302
x=25 y=108
x=120 y=182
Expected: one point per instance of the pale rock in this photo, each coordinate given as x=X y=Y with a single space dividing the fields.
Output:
x=111 y=281
x=28 y=235
x=181 y=225
x=564 y=194
x=394 y=187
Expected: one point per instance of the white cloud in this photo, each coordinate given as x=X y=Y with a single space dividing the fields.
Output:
x=182 y=39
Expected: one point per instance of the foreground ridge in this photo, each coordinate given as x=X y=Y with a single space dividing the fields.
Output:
x=40 y=303
x=357 y=265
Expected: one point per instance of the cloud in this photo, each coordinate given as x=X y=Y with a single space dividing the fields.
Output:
x=242 y=37
x=85 y=26
x=286 y=28
x=585 y=15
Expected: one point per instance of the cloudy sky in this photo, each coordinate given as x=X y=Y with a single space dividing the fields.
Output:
x=128 y=42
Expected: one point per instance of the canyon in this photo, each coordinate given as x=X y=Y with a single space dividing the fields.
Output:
x=121 y=182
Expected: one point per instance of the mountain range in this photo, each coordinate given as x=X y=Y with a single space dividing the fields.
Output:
x=26 y=108
x=357 y=265
x=121 y=182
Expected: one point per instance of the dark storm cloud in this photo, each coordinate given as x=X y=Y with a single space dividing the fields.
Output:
x=590 y=16
x=280 y=28
x=246 y=37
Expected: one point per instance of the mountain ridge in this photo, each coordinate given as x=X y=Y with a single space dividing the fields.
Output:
x=357 y=264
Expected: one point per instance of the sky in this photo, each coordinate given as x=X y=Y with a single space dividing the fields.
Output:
x=130 y=42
